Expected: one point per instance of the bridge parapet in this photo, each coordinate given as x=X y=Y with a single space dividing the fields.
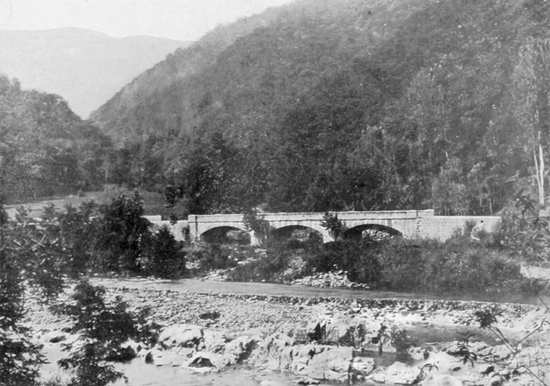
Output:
x=409 y=223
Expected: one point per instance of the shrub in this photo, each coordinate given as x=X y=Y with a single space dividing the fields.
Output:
x=78 y=232
x=357 y=258
x=208 y=257
x=262 y=265
x=334 y=225
x=121 y=229
x=253 y=221
x=164 y=255
x=401 y=264
x=30 y=255
x=102 y=328
x=450 y=267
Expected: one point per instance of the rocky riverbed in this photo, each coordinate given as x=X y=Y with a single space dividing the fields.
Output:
x=242 y=339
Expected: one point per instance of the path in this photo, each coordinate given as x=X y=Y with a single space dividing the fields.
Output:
x=206 y=287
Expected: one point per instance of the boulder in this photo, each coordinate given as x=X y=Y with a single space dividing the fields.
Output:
x=181 y=335
x=238 y=350
x=402 y=374
x=442 y=380
x=121 y=354
x=57 y=338
x=212 y=315
x=214 y=341
x=361 y=367
x=208 y=360
x=332 y=364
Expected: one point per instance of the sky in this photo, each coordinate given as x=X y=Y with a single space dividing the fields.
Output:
x=185 y=20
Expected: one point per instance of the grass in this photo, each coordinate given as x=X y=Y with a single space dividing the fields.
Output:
x=153 y=202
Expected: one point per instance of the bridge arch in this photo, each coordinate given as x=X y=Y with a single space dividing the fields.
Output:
x=375 y=231
x=297 y=232
x=225 y=234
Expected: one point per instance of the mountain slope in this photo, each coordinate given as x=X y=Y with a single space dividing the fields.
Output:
x=350 y=104
x=85 y=67
x=45 y=148
x=276 y=43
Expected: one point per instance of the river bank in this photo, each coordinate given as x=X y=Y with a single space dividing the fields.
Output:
x=244 y=339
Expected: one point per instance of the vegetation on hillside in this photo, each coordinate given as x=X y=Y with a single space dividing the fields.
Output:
x=349 y=105
x=45 y=149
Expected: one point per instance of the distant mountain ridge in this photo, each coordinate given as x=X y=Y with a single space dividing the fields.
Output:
x=83 y=66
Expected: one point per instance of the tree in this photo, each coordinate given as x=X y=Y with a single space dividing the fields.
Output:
x=121 y=230
x=531 y=94
x=334 y=225
x=31 y=255
x=253 y=221
x=102 y=328
x=448 y=192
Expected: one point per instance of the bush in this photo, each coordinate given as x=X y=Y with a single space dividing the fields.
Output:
x=31 y=255
x=357 y=258
x=102 y=328
x=261 y=265
x=450 y=267
x=121 y=229
x=209 y=257
x=78 y=233
x=334 y=225
x=164 y=256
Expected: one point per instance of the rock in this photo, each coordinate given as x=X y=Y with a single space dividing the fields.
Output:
x=170 y=357
x=495 y=380
x=149 y=358
x=378 y=378
x=307 y=381
x=296 y=358
x=209 y=360
x=361 y=367
x=238 y=350
x=442 y=380
x=210 y=315
x=57 y=339
x=499 y=353
x=214 y=341
x=444 y=362
x=122 y=354
x=487 y=369
x=270 y=351
x=418 y=353
x=181 y=335
x=402 y=374
x=332 y=364
x=338 y=279
x=201 y=361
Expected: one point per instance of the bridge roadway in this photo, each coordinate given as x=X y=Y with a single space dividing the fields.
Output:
x=411 y=224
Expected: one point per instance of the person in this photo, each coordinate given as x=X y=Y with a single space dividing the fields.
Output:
x=476 y=231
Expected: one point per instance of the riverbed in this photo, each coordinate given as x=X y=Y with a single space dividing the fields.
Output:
x=278 y=320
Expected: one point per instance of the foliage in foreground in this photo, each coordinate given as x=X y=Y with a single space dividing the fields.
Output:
x=103 y=328
x=39 y=254
x=29 y=256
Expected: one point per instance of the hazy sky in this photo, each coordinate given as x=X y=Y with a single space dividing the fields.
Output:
x=176 y=19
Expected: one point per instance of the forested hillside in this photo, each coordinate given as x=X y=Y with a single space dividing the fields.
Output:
x=45 y=148
x=347 y=104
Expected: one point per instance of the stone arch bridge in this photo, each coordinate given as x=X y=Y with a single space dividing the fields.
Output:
x=411 y=224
